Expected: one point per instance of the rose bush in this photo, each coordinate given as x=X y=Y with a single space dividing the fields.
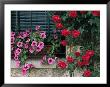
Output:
x=79 y=28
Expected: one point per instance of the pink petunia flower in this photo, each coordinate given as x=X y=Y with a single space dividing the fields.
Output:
x=41 y=45
x=44 y=57
x=16 y=58
x=20 y=44
x=12 y=47
x=30 y=66
x=54 y=31
x=34 y=43
x=20 y=36
x=12 y=40
x=31 y=50
x=28 y=40
x=17 y=51
x=51 y=61
x=55 y=37
x=43 y=35
x=17 y=64
x=12 y=34
x=24 y=71
x=37 y=27
x=24 y=34
x=25 y=68
x=41 y=61
x=28 y=32
x=38 y=48
x=26 y=46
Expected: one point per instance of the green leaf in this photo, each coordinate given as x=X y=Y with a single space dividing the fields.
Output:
x=75 y=48
x=95 y=74
x=71 y=54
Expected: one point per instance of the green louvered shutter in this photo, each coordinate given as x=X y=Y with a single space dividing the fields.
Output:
x=22 y=20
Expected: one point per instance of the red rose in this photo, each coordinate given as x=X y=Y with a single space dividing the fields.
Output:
x=65 y=32
x=85 y=63
x=96 y=13
x=80 y=63
x=77 y=54
x=69 y=59
x=75 y=33
x=83 y=12
x=73 y=14
x=59 y=26
x=90 y=52
x=85 y=57
x=56 y=18
x=64 y=42
x=62 y=64
x=87 y=73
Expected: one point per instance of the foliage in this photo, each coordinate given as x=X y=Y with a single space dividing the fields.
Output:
x=80 y=28
x=71 y=30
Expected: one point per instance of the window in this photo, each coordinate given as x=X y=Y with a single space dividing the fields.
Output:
x=22 y=20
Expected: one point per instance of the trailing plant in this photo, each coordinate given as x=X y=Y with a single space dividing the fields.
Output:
x=25 y=43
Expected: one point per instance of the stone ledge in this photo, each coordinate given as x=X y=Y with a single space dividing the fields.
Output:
x=36 y=63
x=48 y=72
x=41 y=73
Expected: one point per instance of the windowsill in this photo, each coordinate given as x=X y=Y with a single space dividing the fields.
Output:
x=35 y=62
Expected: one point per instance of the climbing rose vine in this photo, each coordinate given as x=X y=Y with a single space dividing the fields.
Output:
x=79 y=28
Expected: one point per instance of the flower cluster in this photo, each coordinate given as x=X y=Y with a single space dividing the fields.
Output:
x=85 y=59
x=64 y=31
x=25 y=43
x=71 y=26
x=26 y=67
x=47 y=60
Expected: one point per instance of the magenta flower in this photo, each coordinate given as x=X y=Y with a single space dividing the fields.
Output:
x=17 y=51
x=17 y=64
x=25 y=68
x=55 y=37
x=28 y=40
x=41 y=61
x=38 y=48
x=28 y=32
x=26 y=46
x=44 y=57
x=20 y=44
x=43 y=35
x=34 y=43
x=51 y=61
x=16 y=58
x=24 y=71
x=29 y=66
x=12 y=34
x=31 y=50
x=54 y=31
x=12 y=47
x=37 y=27
x=24 y=34
x=41 y=45
x=21 y=37
x=12 y=40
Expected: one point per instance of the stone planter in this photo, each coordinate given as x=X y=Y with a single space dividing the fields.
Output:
x=70 y=49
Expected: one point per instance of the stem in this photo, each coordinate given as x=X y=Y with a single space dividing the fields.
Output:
x=70 y=73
